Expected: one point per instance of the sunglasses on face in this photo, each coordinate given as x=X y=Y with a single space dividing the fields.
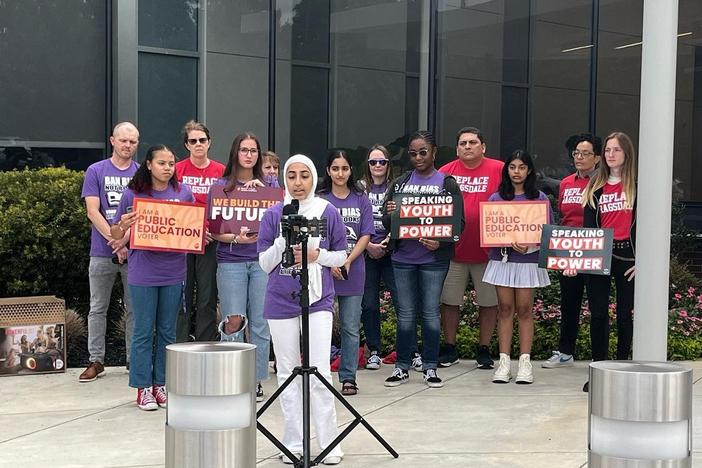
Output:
x=376 y=162
x=421 y=152
x=203 y=140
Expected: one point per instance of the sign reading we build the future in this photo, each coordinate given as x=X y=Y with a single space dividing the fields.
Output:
x=425 y=216
x=242 y=207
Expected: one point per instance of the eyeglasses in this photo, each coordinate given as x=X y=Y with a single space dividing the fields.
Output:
x=421 y=152
x=202 y=141
x=376 y=162
x=582 y=154
x=248 y=150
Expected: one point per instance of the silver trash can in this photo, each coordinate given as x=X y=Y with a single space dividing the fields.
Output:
x=640 y=415
x=211 y=416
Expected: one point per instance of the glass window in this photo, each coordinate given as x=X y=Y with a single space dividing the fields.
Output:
x=169 y=24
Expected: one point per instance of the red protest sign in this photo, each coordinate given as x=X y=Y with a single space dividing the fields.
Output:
x=231 y=210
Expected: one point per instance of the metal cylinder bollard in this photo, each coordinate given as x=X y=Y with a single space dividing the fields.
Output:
x=211 y=416
x=640 y=415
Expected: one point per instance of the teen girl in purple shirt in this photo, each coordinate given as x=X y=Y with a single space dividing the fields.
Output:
x=155 y=279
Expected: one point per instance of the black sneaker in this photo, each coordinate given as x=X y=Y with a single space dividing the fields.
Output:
x=259 y=392
x=397 y=378
x=432 y=379
x=483 y=359
x=448 y=355
x=586 y=387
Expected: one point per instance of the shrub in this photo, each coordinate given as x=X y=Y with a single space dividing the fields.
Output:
x=44 y=235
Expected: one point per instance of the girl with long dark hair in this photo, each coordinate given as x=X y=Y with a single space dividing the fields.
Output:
x=515 y=273
x=156 y=279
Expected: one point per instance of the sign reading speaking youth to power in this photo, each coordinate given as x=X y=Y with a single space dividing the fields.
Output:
x=503 y=223
x=426 y=217
x=586 y=250
x=242 y=207
x=169 y=226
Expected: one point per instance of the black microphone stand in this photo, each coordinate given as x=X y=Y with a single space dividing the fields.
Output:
x=305 y=371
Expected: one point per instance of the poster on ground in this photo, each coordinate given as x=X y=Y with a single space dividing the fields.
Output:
x=503 y=223
x=168 y=226
x=585 y=250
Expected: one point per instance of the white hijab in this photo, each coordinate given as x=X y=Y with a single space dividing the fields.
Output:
x=310 y=207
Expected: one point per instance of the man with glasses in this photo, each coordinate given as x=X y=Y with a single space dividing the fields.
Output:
x=199 y=172
x=478 y=177
x=102 y=190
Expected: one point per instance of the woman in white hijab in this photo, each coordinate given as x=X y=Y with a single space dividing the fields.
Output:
x=283 y=311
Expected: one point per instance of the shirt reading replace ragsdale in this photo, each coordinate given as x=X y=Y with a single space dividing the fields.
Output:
x=376 y=197
x=107 y=182
x=199 y=180
x=476 y=186
x=357 y=214
x=513 y=256
x=279 y=303
x=151 y=268
x=570 y=197
x=613 y=211
x=410 y=250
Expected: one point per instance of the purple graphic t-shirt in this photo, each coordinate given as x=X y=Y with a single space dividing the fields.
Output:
x=279 y=303
x=150 y=268
x=239 y=253
x=411 y=251
x=376 y=197
x=357 y=214
x=107 y=182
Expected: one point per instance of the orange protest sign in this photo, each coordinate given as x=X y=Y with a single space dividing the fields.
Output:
x=505 y=222
x=168 y=226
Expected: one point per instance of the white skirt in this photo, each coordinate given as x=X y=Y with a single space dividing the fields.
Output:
x=516 y=275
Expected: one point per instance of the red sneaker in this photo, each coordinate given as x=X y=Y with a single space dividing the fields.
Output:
x=160 y=395
x=145 y=400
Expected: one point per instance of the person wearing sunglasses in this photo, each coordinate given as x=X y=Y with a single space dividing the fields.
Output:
x=586 y=151
x=478 y=177
x=198 y=172
x=420 y=266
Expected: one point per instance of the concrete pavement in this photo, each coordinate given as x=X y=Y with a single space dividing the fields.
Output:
x=471 y=422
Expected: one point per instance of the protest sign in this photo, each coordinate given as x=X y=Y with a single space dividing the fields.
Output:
x=231 y=210
x=505 y=222
x=425 y=216
x=168 y=226
x=585 y=250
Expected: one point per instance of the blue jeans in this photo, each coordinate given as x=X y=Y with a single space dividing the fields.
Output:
x=242 y=290
x=421 y=293
x=155 y=309
x=370 y=316
x=350 y=316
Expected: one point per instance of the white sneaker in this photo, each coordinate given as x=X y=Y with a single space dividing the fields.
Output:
x=374 y=361
x=502 y=373
x=525 y=375
x=331 y=460
x=417 y=362
x=559 y=360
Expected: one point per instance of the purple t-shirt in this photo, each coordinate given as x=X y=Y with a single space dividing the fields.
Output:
x=150 y=268
x=107 y=182
x=409 y=250
x=495 y=253
x=279 y=303
x=376 y=197
x=357 y=214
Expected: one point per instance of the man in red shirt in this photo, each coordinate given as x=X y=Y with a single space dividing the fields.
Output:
x=199 y=172
x=478 y=177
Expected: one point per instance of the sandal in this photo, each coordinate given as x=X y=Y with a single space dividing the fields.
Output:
x=349 y=388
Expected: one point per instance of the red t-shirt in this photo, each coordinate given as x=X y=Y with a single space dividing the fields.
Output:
x=476 y=185
x=570 y=196
x=612 y=211
x=197 y=179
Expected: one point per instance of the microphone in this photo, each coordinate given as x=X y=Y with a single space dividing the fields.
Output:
x=288 y=231
x=292 y=207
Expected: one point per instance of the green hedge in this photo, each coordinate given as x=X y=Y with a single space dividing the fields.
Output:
x=44 y=235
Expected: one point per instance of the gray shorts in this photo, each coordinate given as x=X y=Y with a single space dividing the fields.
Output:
x=457 y=281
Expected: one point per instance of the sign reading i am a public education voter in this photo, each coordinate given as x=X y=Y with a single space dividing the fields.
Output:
x=242 y=207
x=168 y=226
x=425 y=216
x=586 y=250
x=503 y=223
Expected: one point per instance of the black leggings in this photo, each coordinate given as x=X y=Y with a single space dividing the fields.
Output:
x=572 y=288
x=598 y=287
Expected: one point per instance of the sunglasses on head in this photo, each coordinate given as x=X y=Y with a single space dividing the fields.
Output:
x=375 y=162
x=203 y=140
